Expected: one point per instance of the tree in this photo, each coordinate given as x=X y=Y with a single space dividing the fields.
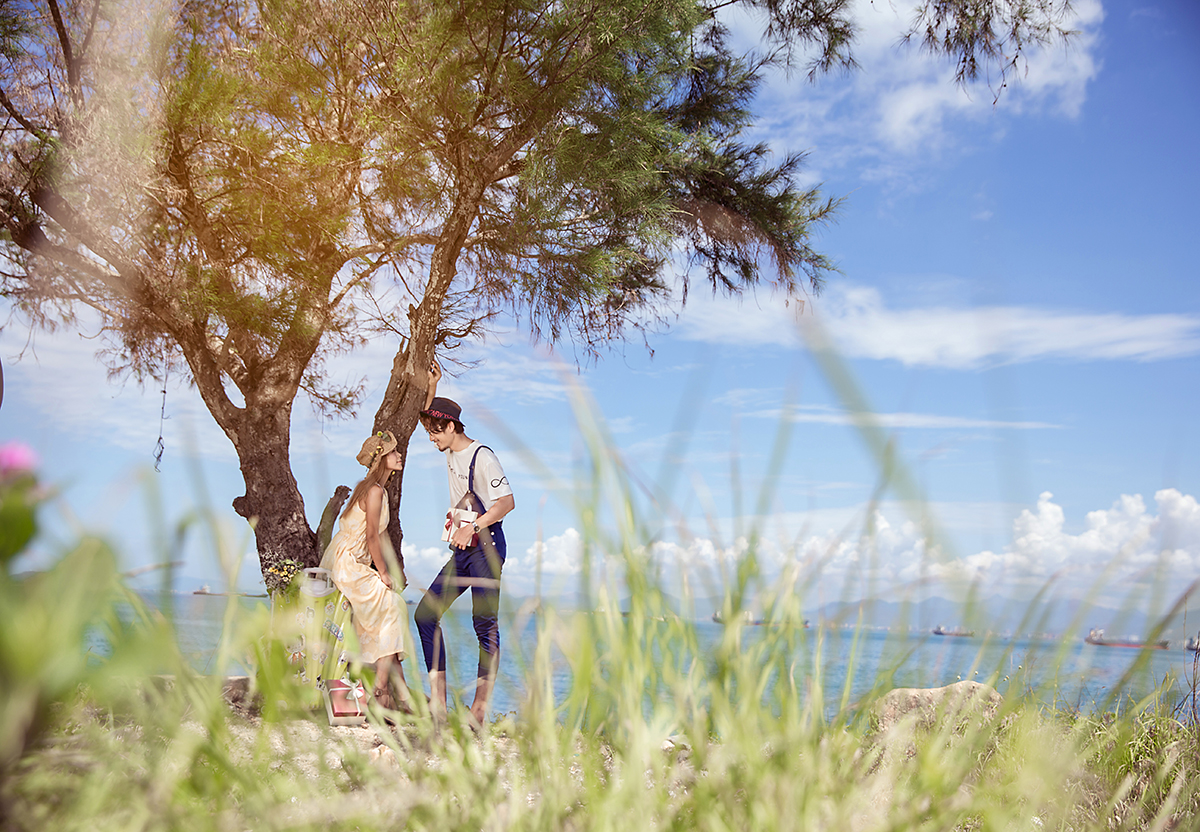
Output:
x=200 y=209
x=235 y=188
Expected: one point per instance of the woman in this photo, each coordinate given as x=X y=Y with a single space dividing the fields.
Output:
x=380 y=617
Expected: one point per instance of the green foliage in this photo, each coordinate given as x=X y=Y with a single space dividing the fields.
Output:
x=41 y=635
x=12 y=28
x=1146 y=760
x=18 y=502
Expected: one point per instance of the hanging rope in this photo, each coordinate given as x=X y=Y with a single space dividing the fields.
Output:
x=161 y=446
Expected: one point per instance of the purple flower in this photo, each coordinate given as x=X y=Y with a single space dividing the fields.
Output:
x=16 y=458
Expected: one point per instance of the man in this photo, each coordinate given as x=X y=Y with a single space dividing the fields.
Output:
x=478 y=552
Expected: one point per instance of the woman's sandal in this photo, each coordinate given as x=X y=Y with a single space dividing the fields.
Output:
x=384 y=700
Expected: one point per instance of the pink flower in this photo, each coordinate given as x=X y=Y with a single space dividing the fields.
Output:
x=16 y=458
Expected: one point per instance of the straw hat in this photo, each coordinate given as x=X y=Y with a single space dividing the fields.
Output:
x=377 y=445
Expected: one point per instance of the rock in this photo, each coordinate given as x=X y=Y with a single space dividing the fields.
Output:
x=236 y=689
x=239 y=692
x=908 y=721
x=967 y=701
x=383 y=756
x=903 y=716
x=676 y=743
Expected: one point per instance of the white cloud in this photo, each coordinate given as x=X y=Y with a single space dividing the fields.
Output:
x=1126 y=531
x=859 y=323
x=1118 y=548
x=759 y=404
x=63 y=380
x=913 y=112
x=424 y=561
x=1060 y=75
x=821 y=414
x=558 y=555
x=902 y=109
x=505 y=374
x=60 y=377
x=558 y=560
x=862 y=326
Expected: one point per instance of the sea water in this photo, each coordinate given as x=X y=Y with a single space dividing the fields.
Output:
x=1071 y=674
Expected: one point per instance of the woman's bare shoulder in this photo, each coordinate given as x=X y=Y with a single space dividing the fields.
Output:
x=374 y=496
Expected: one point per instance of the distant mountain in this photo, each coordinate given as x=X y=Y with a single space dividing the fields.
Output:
x=1001 y=615
x=994 y=614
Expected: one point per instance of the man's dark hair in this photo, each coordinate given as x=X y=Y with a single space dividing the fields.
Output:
x=435 y=425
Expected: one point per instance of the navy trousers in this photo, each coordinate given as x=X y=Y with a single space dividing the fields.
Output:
x=473 y=569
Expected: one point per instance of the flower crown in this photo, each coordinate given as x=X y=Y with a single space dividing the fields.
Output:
x=375 y=453
x=375 y=445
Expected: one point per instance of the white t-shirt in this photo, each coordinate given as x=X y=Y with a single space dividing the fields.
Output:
x=490 y=482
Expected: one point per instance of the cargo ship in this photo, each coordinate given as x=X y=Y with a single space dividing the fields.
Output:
x=1096 y=637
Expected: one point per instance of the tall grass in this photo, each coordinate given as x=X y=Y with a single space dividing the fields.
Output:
x=654 y=731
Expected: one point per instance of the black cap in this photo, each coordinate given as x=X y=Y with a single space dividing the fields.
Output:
x=441 y=408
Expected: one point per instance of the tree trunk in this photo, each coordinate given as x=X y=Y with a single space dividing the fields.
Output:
x=272 y=502
x=399 y=412
x=408 y=384
x=261 y=433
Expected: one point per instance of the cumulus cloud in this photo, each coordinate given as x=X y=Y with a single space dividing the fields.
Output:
x=558 y=555
x=422 y=562
x=1125 y=538
x=1119 y=547
x=859 y=323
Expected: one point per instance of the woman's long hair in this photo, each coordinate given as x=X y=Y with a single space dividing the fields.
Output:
x=377 y=474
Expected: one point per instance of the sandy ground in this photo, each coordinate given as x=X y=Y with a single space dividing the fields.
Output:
x=328 y=756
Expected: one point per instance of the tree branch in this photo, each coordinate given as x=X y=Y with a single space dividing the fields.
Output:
x=64 y=40
x=191 y=209
x=12 y=111
x=58 y=209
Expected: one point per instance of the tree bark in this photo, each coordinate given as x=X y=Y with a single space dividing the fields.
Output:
x=399 y=413
x=408 y=384
x=272 y=502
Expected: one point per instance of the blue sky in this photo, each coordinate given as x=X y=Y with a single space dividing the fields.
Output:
x=1017 y=303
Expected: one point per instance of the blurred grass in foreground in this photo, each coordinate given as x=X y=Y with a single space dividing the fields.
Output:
x=650 y=734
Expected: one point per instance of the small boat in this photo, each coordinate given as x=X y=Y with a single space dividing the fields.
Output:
x=207 y=590
x=746 y=617
x=1096 y=636
x=1193 y=643
x=939 y=630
